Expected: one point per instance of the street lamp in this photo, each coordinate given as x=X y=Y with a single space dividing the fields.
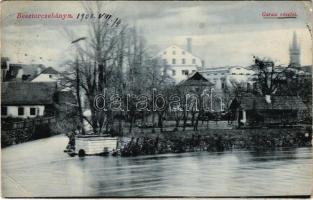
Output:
x=79 y=100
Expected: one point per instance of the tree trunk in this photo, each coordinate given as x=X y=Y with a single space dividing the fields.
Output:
x=197 y=122
x=160 y=121
x=153 y=119
x=78 y=98
x=131 y=123
x=192 y=118
x=177 y=123
x=185 y=120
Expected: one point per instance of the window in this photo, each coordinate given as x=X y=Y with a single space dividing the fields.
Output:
x=164 y=61
x=240 y=73
x=4 y=111
x=173 y=61
x=164 y=52
x=32 y=111
x=20 y=111
x=185 y=72
x=248 y=74
x=193 y=71
x=173 y=72
x=193 y=61
x=183 y=52
x=183 y=61
x=174 y=52
x=223 y=85
x=50 y=76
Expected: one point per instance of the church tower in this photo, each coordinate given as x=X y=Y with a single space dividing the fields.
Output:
x=294 y=52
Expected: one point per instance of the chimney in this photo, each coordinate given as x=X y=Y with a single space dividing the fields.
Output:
x=189 y=45
x=38 y=71
x=268 y=99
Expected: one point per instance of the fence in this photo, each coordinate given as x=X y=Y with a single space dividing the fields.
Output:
x=25 y=130
x=27 y=123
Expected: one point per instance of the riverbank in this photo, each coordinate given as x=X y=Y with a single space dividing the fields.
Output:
x=216 y=140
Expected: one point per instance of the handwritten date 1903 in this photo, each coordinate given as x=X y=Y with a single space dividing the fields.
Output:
x=108 y=18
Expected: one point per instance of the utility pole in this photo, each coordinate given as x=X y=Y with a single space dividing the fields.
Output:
x=81 y=117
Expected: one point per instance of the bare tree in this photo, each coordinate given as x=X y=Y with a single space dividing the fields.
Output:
x=97 y=66
x=109 y=64
x=268 y=76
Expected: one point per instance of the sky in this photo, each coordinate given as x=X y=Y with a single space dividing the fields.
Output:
x=223 y=33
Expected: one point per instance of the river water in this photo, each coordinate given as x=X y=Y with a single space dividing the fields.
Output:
x=41 y=169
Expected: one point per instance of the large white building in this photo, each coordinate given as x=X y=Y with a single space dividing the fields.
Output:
x=181 y=62
x=223 y=77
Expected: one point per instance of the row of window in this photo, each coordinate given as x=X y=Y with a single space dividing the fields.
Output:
x=20 y=111
x=248 y=74
x=183 y=61
x=216 y=74
x=174 y=52
x=183 y=72
x=241 y=74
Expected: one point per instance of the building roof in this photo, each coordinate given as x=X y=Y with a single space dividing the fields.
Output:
x=215 y=69
x=4 y=61
x=27 y=93
x=32 y=68
x=196 y=79
x=29 y=70
x=277 y=103
x=49 y=70
x=12 y=72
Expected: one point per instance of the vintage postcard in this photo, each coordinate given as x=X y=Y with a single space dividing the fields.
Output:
x=156 y=99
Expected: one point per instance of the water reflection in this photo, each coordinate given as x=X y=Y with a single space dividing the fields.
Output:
x=206 y=174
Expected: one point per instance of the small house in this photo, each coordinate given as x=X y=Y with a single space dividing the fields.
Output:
x=195 y=82
x=258 y=110
x=27 y=99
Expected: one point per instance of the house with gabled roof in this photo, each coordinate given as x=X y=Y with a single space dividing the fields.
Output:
x=197 y=83
x=259 y=110
x=47 y=75
x=196 y=80
x=27 y=99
